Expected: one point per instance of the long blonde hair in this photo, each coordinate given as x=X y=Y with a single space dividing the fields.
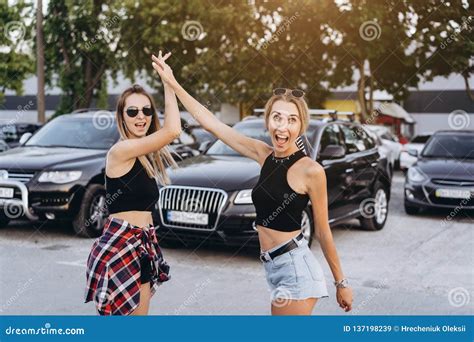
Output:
x=155 y=163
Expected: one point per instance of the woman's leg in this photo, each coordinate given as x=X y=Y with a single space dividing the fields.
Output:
x=293 y=307
x=145 y=295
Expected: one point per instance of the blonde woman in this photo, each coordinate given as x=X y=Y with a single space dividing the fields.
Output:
x=125 y=265
x=288 y=180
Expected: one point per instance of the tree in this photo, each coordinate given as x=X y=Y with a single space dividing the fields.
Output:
x=371 y=40
x=16 y=63
x=444 y=36
x=82 y=43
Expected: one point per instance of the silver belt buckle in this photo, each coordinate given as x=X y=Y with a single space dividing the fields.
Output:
x=263 y=257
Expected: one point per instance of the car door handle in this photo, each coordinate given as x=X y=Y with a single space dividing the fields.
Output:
x=349 y=170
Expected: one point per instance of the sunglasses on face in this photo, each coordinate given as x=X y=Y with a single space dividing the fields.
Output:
x=132 y=111
x=284 y=91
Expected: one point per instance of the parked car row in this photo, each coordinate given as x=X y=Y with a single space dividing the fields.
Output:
x=58 y=174
x=210 y=195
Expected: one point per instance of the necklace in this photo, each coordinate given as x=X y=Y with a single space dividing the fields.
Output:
x=281 y=159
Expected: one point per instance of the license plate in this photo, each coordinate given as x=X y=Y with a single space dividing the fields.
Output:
x=6 y=192
x=186 y=217
x=453 y=193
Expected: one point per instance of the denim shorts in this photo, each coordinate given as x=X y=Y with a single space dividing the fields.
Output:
x=296 y=274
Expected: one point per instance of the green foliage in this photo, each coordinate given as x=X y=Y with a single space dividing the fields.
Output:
x=16 y=62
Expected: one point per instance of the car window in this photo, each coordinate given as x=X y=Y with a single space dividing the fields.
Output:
x=367 y=139
x=331 y=136
x=76 y=132
x=354 y=143
x=420 y=139
x=449 y=146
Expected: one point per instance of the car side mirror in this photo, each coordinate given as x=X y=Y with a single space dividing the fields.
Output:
x=25 y=137
x=332 y=152
x=413 y=153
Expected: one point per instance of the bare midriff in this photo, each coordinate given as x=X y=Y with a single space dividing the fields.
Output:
x=270 y=238
x=136 y=218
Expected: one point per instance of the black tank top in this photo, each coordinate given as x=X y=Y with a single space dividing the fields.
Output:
x=278 y=206
x=135 y=190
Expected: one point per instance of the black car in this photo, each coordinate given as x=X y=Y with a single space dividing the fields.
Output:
x=59 y=173
x=443 y=175
x=210 y=194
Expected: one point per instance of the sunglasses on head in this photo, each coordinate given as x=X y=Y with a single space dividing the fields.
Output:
x=284 y=91
x=132 y=111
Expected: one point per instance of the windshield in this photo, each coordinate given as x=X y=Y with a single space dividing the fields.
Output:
x=420 y=139
x=75 y=132
x=254 y=130
x=450 y=147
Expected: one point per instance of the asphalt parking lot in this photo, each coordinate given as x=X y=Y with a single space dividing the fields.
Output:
x=416 y=265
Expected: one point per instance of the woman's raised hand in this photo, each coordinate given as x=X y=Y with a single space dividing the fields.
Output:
x=163 y=69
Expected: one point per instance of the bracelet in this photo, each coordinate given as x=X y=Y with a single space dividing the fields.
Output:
x=343 y=283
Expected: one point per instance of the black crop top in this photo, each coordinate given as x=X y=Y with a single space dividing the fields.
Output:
x=135 y=190
x=278 y=206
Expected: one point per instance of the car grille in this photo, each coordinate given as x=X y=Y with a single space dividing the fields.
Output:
x=20 y=175
x=452 y=182
x=188 y=199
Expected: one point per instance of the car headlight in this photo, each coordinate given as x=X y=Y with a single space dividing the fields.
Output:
x=244 y=197
x=59 y=177
x=415 y=175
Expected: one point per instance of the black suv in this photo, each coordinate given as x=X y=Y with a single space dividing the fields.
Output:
x=59 y=173
x=210 y=194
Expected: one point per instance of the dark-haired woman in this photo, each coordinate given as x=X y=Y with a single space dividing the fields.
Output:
x=288 y=180
x=125 y=265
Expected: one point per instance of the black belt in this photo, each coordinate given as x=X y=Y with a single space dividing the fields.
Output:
x=290 y=245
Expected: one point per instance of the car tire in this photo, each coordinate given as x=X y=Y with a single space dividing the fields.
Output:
x=4 y=220
x=307 y=226
x=90 y=220
x=374 y=211
x=410 y=209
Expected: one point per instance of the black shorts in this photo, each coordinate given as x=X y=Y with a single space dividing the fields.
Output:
x=145 y=269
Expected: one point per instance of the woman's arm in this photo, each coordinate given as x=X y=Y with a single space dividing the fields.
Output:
x=317 y=191
x=251 y=148
x=132 y=148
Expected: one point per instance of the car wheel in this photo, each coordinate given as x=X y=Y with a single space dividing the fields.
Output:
x=90 y=220
x=411 y=210
x=4 y=220
x=375 y=210
x=307 y=227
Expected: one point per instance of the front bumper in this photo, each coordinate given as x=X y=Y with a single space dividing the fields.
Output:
x=36 y=200
x=424 y=196
x=232 y=224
